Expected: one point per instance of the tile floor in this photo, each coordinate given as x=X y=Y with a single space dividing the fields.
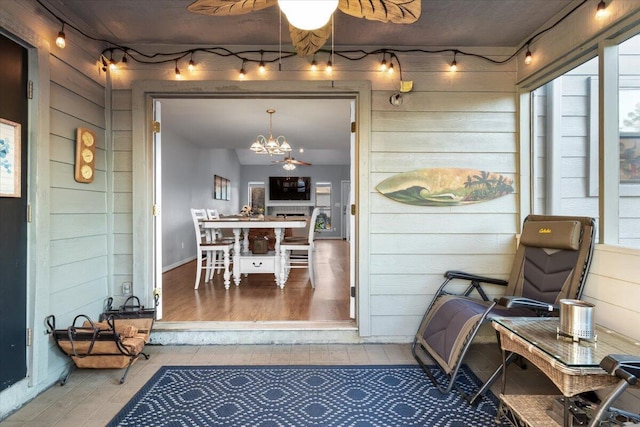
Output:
x=93 y=397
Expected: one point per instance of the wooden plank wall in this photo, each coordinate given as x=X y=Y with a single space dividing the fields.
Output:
x=122 y=196
x=613 y=286
x=79 y=212
x=450 y=120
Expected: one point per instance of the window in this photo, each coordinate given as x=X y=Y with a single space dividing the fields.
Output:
x=629 y=143
x=323 y=202
x=563 y=132
x=566 y=145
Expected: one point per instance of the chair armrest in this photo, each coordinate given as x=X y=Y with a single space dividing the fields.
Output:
x=514 y=301
x=623 y=366
x=475 y=283
x=453 y=274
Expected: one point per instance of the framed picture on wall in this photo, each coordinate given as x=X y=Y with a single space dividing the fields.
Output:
x=221 y=188
x=10 y=159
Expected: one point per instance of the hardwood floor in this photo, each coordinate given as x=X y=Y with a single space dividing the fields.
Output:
x=257 y=298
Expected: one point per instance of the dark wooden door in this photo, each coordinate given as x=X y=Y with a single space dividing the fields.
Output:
x=13 y=222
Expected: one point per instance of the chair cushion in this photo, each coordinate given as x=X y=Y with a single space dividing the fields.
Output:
x=451 y=320
x=551 y=234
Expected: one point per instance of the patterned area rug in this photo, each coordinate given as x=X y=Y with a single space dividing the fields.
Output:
x=385 y=395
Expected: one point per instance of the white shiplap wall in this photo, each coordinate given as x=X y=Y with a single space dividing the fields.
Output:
x=613 y=286
x=122 y=197
x=463 y=120
x=79 y=212
x=71 y=278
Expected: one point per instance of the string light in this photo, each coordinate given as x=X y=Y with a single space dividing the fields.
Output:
x=245 y=56
x=314 y=64
x=192 y=65
x=242 y=74
x=124 y=61
x=112 y=63
x=61 y=40
x=329 y=68
x=177 y=71
x=383 y=63
x=601 y=10
x=390 y=70
x=261 y=67
x=528 y=57
x=454 y=64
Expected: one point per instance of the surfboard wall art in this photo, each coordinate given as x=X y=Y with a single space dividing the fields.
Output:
x=445 y=187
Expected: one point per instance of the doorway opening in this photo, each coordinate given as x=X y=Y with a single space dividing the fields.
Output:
x=186 y=158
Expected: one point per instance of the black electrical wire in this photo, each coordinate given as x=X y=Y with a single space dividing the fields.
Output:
x=351 y=55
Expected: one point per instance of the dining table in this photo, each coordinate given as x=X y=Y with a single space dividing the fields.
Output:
x=245 y=262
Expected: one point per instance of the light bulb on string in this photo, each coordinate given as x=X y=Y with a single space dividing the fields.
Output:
x=177 y=71
x=528 y=57
x=329 y=68
x=383 y=63
x=314 y=65
x=192 y=65
x=454 y=64
x=112 y=63
x=390 y=70
x=242 y=73
x=601 y=10
x=61 y=40
x=125 y=60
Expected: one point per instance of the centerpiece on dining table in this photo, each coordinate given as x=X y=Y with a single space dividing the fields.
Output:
x=247 y=211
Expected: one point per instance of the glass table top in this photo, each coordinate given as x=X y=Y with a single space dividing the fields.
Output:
x=542 y=332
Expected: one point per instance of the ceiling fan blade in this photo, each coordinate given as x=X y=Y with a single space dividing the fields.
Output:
x=395 y=11
x=306 y=42
x=228 y=7
x=299 y=162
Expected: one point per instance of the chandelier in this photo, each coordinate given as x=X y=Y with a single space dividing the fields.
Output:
x=270 y=145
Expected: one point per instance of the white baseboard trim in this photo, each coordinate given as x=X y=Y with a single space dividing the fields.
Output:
x=177 y=264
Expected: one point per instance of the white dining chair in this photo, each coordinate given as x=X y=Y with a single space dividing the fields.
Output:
x=225 y=234
x=299 y=254
x=207 y=250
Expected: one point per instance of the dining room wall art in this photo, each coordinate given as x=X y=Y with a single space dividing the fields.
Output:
x=221 y=188
x=445 y=187
x=10 y=159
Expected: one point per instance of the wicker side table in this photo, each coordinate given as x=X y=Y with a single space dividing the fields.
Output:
x=574 y=367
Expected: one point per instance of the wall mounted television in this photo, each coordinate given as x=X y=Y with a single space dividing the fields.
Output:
x=289 y=188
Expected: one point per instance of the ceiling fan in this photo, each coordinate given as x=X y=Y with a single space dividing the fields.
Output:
x=289 y=163
x=307 y=42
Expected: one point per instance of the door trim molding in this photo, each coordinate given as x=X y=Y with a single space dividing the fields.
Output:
x=143 y=93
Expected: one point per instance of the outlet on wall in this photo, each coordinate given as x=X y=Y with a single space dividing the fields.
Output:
x=126 y=288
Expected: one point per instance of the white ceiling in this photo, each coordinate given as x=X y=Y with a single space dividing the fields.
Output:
x=317 y=125
x=320 y=126
x=454 y=23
